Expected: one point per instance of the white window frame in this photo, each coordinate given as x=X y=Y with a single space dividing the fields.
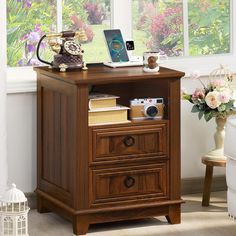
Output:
x=24 y=79
x=205 y=64
x=3 y=116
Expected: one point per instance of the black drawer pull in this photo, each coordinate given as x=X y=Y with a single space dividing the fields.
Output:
x=129 y=141
x=129 y=182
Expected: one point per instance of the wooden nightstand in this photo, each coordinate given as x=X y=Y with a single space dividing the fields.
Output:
x=105 y=173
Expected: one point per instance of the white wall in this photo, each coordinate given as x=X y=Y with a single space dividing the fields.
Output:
x=3 y=132
x=21 y=140
x=3 y=154
x=197 y=139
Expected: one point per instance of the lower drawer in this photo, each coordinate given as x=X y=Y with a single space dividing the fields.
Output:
x=134 y=183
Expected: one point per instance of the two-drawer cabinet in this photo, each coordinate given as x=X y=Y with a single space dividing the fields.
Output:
x=129 y=164
x=105 y=173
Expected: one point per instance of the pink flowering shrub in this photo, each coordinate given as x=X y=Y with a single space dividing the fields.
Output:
x=148 y=13
x=79 y=24
x=166 y=31
x=95 y=13
x=164 y=28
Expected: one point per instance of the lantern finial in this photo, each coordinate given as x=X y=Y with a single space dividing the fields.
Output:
x=13 y=185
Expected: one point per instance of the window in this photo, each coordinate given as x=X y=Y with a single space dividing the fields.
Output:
x=93 y=16
x=21 y=225
x=28 y=20
x=182 y=28
x=178 y=28
x=8 y=226
x=158 y=25
x=195 y=34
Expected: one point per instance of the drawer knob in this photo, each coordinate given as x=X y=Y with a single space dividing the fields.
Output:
x=129 y=141
x=129 y=182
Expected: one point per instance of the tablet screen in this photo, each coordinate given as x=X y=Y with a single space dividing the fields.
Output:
x=116 y=45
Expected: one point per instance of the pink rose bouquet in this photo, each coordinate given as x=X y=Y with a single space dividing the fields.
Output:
x=217 y=99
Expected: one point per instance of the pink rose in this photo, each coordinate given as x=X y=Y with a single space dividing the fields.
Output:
x=224 y=96
x=198 y=94
x=212 y=99
x=218 y=83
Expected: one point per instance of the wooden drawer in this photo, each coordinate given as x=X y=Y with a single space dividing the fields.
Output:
x=135 y=183
x=129 y=142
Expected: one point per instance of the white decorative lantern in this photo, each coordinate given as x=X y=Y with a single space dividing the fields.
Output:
x=14 y=213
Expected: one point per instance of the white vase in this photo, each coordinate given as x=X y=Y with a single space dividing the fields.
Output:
x=218 y=152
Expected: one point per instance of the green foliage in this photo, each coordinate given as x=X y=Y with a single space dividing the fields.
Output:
x=209 y=26
x=21 y=20
x=70 y=9
x=157 y=24
x=28 y=20
x=208 y=115
x=162 y=23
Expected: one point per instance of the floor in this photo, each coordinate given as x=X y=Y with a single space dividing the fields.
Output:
x=196 y=220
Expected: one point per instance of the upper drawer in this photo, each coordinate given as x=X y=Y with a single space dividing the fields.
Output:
x=129 y=142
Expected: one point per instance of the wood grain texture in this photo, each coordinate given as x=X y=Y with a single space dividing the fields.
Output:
x=104 y=75
x=174 y=117
x=110 y=144
x=55 y=132
x=107 y=172
x=207 y=186
x=208 y=178
x=129 y=184
x=220 y=163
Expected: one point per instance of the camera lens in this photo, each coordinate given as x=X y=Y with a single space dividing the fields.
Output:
x=150 y=110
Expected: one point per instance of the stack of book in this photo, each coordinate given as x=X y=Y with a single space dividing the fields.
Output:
x=103 y=109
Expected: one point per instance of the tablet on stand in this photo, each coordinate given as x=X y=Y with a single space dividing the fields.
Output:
x=118 y=51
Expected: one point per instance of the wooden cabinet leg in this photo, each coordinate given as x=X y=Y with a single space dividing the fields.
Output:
x=40 y=205
x=80 y=225
x=174 y=216
x=207 y=186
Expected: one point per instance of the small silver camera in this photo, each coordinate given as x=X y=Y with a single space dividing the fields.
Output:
x=146 y=108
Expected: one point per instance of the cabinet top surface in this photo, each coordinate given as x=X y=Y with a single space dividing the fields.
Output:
x=99 y=74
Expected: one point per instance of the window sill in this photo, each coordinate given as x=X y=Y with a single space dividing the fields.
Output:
x=205 y=64
x=23 y=79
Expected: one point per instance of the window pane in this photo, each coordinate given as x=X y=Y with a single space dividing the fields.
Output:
x=93 y=16
x=27 y=21
x=158 y=26
x=209 y=27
